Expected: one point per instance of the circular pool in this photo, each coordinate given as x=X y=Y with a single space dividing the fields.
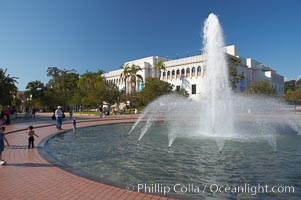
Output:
x=108 y=154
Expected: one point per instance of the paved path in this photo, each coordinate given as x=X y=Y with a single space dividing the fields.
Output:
x=28 y=176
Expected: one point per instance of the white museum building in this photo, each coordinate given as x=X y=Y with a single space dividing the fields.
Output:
x=187 y=72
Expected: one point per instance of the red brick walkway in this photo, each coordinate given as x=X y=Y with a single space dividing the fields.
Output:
x=28 y=176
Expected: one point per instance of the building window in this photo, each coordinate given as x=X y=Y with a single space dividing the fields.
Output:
x=168 y=73
x=183 y=71
x=193 y=70
x=178 y=72
x=199 y=69
x=173 y=72
x=193 y=89
x=164 y=74
x=178 y=88
x=187 y=70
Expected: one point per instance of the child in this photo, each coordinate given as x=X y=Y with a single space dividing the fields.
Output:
x=31 y=133
x=74 y=124
x=2 y=139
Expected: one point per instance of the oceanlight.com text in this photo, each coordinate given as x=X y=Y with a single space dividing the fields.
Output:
x=163 y=189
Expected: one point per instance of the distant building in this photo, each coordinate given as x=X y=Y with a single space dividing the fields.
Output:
x=187 y=72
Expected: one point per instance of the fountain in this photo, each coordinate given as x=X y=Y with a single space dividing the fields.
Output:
x=218 y=114
x=221 y=139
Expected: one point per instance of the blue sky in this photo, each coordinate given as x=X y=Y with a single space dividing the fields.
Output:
x=103 y=34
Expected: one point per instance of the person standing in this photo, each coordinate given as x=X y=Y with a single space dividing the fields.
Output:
x=33 y=113
x=59 y=117
x=70 y=113
x=30 y=134
x=2 y=139
x=7 y=116
x=100 y=111
x=74 y=124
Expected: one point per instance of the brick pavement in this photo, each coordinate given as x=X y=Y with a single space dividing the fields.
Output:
x=28 y=175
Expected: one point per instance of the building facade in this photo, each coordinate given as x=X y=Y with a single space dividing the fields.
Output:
x=187 y=73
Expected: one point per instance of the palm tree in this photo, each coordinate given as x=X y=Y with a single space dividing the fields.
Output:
x=134 y=76
x=159 y=66
x=125 y=74
x=7 y=87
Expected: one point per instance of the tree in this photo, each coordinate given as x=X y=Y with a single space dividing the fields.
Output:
x=133 y=74
x=91 y=86
x=153 y=89
x=125 y=74
x=8 y=87
x=293 y=96
x=91 y=81
x=111 y=93
x=158 y=67
x=261 y=88
x=62 y=87
x=233 y=62
x=289 y=85
x=234 y=77
x=55 y=73
x=35 y=89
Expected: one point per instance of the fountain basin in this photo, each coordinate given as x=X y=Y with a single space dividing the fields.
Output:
x=108 y=154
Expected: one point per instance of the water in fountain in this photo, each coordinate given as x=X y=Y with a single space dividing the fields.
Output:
x=219 y=114
x=216 y=90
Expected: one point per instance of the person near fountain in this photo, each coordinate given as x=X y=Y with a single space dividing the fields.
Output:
x=31 y=135
x=2 y=139
x=74 y=124
x=70 y=113
x=100 y=109
x=59 y=117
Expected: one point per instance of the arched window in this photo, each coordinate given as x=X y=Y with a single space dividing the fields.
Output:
x=182 y=71
x=164 y=74
x=199 y=69
x=193 y=70
x=178 y=71
x=173 y=72
x=168 y=73
x=187 y=70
